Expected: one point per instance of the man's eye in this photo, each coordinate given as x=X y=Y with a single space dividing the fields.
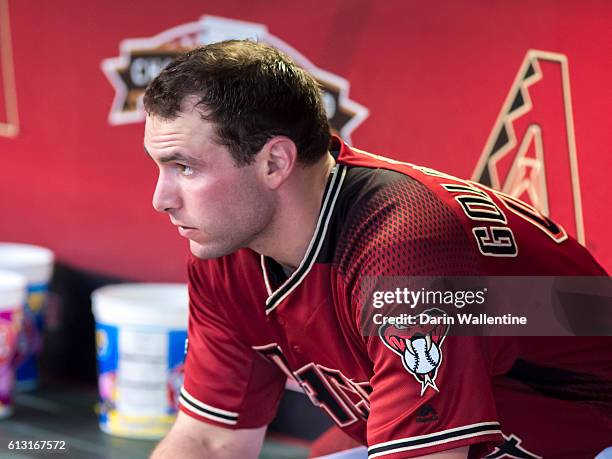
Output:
x=185 y=170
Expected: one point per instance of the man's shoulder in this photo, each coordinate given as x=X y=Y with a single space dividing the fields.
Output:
x=381 y=185
x=395 y=204
x=397 y=219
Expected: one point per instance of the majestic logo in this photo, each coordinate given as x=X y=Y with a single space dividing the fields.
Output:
x=511 y=448
x=9 y=118
x=531 y=151
x=142 y=59
x=419 y=347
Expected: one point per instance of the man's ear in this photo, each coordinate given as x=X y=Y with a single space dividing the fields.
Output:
x=277 y=158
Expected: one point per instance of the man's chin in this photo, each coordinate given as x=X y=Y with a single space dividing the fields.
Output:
x=208 y=251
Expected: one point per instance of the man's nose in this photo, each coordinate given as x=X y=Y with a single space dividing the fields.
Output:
x=166 y=196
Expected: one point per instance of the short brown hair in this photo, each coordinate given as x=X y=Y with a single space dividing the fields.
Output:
x=251 y=91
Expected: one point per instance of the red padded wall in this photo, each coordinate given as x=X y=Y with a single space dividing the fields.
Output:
x=428 y=84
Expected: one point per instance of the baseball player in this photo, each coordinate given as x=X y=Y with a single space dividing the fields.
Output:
x=287 y=226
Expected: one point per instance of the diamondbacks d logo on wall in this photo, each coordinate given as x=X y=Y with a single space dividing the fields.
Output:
x=142 y=59
x=531 y=151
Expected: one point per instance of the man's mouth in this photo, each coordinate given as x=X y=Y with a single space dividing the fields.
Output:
x=180 y=225
x=186 y=231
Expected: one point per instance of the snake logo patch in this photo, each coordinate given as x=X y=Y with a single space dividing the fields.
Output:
x=419 y=347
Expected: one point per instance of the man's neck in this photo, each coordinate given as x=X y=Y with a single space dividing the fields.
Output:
x=294 y=225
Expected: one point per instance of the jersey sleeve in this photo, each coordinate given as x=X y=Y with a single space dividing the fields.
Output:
x=414 y=413
x=431 y=391
x=226 y=382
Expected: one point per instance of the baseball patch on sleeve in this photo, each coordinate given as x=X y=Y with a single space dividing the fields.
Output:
x=419 y=347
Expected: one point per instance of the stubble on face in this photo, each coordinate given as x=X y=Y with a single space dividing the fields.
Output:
x=225 y=207
x=245 y=217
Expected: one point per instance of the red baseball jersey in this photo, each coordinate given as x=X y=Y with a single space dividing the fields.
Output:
x=251 y=326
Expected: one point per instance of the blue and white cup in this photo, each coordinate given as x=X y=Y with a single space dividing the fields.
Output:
x=140 y=339
x=36 y=264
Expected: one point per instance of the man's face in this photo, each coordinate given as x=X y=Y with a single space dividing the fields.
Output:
x=219 y=207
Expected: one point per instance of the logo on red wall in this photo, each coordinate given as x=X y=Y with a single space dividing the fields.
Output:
x=141 y=60
x=531 y=151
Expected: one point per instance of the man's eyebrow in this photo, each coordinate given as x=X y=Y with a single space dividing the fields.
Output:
x=172 y=157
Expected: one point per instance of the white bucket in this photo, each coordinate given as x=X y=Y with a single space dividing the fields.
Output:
x=13 y=291
x=140 y=336
x=36 y=264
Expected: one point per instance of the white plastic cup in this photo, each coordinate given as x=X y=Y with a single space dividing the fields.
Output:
x=13 y=291
x=36 y=264
x=140 y=339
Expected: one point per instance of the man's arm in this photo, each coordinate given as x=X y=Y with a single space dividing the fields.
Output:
x=190 y=438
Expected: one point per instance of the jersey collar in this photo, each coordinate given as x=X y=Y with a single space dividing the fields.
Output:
x=332 y=190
